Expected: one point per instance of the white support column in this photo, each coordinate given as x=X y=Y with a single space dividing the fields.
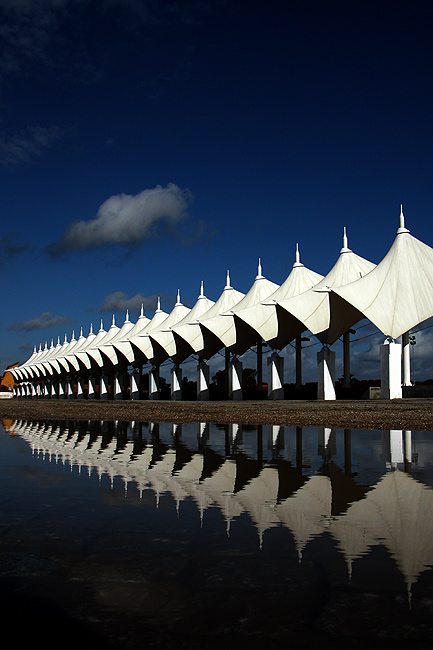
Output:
x=117 y=386
x=91 y=390
x=70 y=388
x=103 y=387
x=80 y=389
x=154 y=383
x=390 y=370
x=326 y=374
x=176 y=383
x=406 y=359
x=202 y=381
x=275 y=376
x=135 y=384
x=235 y=379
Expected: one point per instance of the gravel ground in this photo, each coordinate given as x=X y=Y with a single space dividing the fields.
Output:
x=407 y=414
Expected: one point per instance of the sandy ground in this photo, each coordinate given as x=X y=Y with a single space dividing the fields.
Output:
x=407 y=414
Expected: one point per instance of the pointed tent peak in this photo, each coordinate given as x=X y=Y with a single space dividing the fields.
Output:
x=142 y=311
x=91 y=328
x=178 y=298
x=73 y=335
x=113 y=321
x=228 y=286
x=58 y=340
x=101 y=328
x=259 y=269
x=297 y=257
x=158 y=304
x=66 y=338
x=127 y=316
x=201 y=290
x=345 y=248
x=52 y=343
x=81 y=332
x=402 y=227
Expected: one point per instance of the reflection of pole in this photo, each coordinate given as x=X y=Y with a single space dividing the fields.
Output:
x=299 y=448
x=407 y=450
x=347 y=452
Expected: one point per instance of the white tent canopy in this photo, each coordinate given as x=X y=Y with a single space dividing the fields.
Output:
x=263 y=319
x=163 y=340
x=395 y=297
x=310 y=310
x=224 y=326
x=195 y=337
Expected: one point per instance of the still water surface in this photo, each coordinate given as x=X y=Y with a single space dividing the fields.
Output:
x=133 y=535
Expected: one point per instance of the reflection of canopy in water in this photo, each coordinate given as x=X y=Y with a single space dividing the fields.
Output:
x=259 y=499
x=307 y=513
x=399 y=512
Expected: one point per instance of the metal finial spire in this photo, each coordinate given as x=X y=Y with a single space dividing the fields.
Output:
x=259 y=269
x=127 y=316
x=178 y=297
x=228 y=280
x=201 y=289
x=158 y=304
x=297 y=257
x=113 y=322
x=345 y=248
x=91 y=328
x=402 y=227
x=344 y=238
x=142 y=310
x=101 y=327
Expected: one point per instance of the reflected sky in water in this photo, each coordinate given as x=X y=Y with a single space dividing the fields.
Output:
x=221 y=530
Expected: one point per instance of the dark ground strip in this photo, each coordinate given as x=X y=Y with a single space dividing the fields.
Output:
x=406 y=414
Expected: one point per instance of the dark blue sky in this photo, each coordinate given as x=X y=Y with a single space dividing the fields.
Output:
x=189 y=138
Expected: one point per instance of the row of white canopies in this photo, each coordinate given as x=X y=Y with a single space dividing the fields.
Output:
x=395 y=295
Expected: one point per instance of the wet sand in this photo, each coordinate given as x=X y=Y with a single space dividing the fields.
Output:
x=407 y=414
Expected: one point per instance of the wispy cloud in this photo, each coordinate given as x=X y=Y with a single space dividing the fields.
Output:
x=10 y=249
x=43 y=322
x=118 y=301
x=127 y=220
x=31 y=143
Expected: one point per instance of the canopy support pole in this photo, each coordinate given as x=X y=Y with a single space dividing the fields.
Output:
x=176 y=383
x=326 y=372
x=103 y=387
x=346 y=359
x=406 y=359
x=134 y=385
x=91 y=391
x=390 y=370
x=259 y=364
x=275 y=376
x=154 y=383
x=235 y=379
x=298 y=362
x=202 y=381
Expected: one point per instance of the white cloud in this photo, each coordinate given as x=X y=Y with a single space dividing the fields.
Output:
x=118 y=301
x=128 y=220
x=45 y=321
